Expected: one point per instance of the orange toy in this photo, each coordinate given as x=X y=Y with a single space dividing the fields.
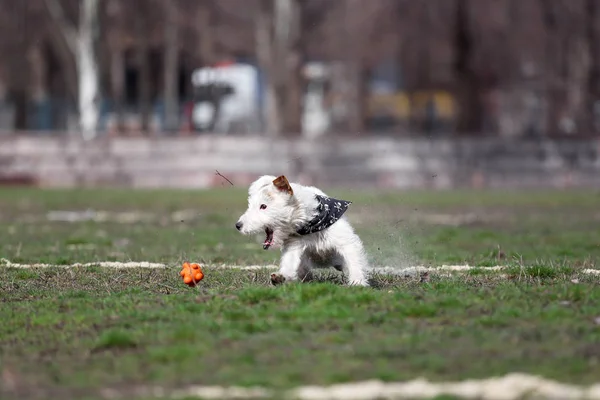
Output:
x=191 y=274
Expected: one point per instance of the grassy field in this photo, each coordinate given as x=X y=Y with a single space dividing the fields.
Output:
x=69 y=333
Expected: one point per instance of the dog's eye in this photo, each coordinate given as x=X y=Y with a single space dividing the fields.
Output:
x=263 y=206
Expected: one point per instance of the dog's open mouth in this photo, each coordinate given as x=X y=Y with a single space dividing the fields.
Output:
x=269 y=239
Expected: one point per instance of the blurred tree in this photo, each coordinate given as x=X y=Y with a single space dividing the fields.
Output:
x=564 y=23
x=487 y=52
x=17 y=36
x=206 y=22
x=555 y=63
x=116 y=44
x=142 y=28
x=424 y=49
x=294 y=57
x=357 y=38
x=280 y=51
x=468 y=90
x=592 y=121
x=171 y=64
x=81 y=40
x=265 y=52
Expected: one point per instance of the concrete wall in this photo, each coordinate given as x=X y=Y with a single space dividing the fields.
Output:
x=374 y=162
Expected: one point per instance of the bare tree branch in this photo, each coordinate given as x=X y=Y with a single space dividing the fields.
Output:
x=68 y=31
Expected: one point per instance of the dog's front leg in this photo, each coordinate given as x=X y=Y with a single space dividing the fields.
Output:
x=289 y=265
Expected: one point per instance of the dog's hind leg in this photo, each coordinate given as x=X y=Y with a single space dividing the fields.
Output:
x=355 y=263
x=338 y=264
x=305 y=268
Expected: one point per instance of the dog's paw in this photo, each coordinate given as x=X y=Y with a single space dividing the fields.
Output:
x=361 y=282
x=277 y=279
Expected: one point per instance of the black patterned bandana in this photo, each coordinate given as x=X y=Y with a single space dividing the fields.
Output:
x=329 y=210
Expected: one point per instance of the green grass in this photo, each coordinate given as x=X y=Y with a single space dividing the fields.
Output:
x=72 y=332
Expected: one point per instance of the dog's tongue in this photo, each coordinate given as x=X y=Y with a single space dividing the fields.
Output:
x=268 y=240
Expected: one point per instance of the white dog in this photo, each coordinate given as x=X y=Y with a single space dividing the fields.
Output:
x=308 y=225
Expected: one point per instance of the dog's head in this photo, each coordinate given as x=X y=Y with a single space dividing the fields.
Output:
x=272 y=208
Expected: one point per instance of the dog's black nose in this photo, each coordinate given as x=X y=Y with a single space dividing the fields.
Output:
x=238 y=225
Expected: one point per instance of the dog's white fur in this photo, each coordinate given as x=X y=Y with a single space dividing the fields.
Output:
x=338 y=246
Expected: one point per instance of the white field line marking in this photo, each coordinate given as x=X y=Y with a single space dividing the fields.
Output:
x=151 y=265
x=592 y=271
x=509 y=387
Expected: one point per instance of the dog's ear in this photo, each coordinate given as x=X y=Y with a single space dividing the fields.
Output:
x=282 y=184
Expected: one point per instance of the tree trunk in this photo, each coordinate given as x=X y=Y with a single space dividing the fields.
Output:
x=356 y=70
x=359 y=77
x=18 y=76
x=81 y=41
x=67 y=60
x=39 y=70
x=555 y=74
x=39 y=86
x=265 y=51
x=282 y=19
x=294 y=98
x=470 y=107
x=206 y=19
x=117 y=65
x=117 y=68
x=593 y=96
x=143 y=77
x=87 y=69
x=171 y=67
x=281 y=56
x=293 y=57
x=19 y=98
